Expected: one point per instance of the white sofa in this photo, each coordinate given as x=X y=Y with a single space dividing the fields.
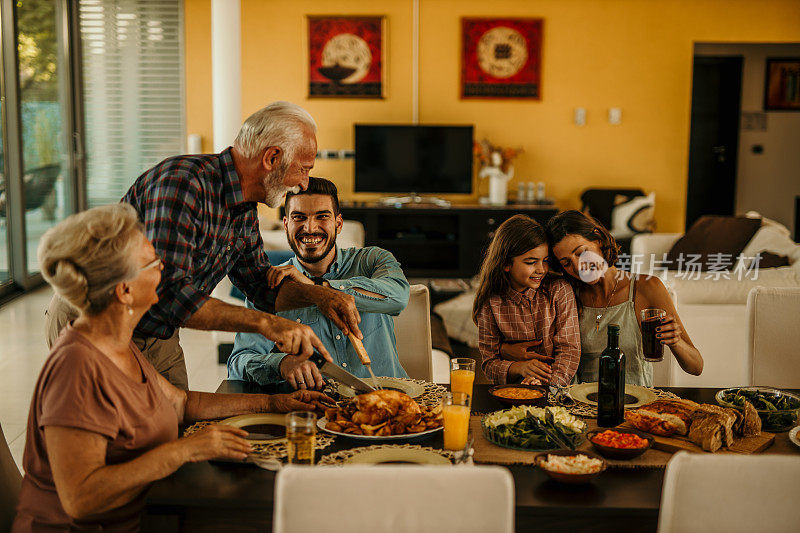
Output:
x=714 y=311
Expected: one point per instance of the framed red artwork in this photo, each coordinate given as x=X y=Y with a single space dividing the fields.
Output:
x=501 y=58
x=345 y=57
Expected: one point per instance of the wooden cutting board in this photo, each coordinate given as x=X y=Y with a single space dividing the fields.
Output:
x=677 y=443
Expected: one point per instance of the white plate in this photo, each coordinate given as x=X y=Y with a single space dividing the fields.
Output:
x=392 y=454
x=410 y=436
x=580 y=391
x=794 y=436
x=414 y=390
x=257 y=418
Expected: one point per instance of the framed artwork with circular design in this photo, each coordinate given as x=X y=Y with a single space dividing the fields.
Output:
x=501 y=58
x=345 y=56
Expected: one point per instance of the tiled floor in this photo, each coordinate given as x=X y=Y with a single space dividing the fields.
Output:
x=23 y=351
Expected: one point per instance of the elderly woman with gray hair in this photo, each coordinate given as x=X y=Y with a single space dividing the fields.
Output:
x=103 y=422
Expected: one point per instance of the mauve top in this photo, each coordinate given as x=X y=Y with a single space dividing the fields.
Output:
x=80 y=387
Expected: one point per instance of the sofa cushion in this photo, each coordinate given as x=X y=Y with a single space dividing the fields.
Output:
x=456 y=313
x=634 y=216
x=772 y=239
x=713 y=234
x=770 y=260
x=600 y=202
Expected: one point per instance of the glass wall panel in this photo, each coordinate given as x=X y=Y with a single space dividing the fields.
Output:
x=44 y=106
x=133 y=90
x=5 y=259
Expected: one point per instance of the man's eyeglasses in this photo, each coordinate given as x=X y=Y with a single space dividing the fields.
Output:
x=154 y=263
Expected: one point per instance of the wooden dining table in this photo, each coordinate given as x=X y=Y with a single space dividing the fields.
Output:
x=221 y=496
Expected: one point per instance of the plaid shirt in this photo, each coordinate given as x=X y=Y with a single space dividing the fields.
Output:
x=525 y=316
x=201 y=227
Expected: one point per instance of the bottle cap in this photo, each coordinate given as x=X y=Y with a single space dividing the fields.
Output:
x=613 y=328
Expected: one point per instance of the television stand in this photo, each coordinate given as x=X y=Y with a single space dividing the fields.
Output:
x=435 y=242
x=413 y=199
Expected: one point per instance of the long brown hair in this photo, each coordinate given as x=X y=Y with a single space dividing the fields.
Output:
x=577 y=223
x=514 y=237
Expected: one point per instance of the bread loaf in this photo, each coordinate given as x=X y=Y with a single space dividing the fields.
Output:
x=676 y=412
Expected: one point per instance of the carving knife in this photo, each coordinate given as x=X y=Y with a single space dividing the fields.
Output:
x=364 y=356
x=339 y=374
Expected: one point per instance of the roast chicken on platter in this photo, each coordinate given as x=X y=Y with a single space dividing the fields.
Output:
x=382 y=413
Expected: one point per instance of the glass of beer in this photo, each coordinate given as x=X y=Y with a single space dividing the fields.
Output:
x=651 y=320
x=455 y=410
x=462 y=375
x=301 y=430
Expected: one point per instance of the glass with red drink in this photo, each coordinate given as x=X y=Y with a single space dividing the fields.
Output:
x=651 y=344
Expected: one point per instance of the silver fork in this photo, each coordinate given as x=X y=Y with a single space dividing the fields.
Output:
x=561 y=395
x=464 y=455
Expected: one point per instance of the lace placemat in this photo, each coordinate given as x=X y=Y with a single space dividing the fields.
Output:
x=340 y=458
x=587 y=410
x=433 y=393
x=272 y=450
x=431 y=397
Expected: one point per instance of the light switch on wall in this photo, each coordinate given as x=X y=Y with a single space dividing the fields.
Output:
x=615 y=115
x=580 y=116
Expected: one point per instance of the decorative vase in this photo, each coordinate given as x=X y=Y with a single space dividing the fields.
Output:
x=498 y=185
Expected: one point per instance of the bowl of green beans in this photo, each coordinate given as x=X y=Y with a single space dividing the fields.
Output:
x=779 y=410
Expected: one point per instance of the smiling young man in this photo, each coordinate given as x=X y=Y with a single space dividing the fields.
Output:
x=371 y=275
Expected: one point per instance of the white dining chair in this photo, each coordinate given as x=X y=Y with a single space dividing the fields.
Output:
x=773 y=336
x=394 y=499
x=10 y=483
x=730 y=492
x=412 y=330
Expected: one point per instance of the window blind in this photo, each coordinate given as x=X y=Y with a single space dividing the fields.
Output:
x=133 y=95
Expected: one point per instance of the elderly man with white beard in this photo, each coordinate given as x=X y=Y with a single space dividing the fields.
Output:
x=200 y=213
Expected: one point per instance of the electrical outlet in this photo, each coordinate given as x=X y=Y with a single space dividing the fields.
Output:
x=580 y=116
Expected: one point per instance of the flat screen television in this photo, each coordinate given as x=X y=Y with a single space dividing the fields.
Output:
x=413 y=159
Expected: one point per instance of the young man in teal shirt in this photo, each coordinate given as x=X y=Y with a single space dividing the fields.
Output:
x=371 y=275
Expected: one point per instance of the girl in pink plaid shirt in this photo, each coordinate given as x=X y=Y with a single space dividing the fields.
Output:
x=528 y=328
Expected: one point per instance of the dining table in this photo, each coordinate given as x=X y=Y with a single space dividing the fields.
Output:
x=239 y=497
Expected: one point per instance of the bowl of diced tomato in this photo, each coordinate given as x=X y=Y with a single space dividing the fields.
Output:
x=620 y=443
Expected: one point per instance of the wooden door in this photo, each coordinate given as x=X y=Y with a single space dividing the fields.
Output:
x=714 y=140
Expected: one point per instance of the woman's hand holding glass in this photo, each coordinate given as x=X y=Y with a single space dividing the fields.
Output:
x=670 y=330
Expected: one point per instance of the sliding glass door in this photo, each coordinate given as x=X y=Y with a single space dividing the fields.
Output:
x=38 y=172
x=44 y=96
x=132 y=80
x=112 y=67
x=5 y=258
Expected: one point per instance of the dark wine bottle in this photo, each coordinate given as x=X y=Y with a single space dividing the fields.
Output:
x=611 y=386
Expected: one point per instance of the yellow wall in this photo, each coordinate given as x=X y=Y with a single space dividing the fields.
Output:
x=197 y=62
x=633 y=54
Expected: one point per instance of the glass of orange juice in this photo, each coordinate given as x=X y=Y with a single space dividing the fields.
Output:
x=462 y=375
x=455 y=410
